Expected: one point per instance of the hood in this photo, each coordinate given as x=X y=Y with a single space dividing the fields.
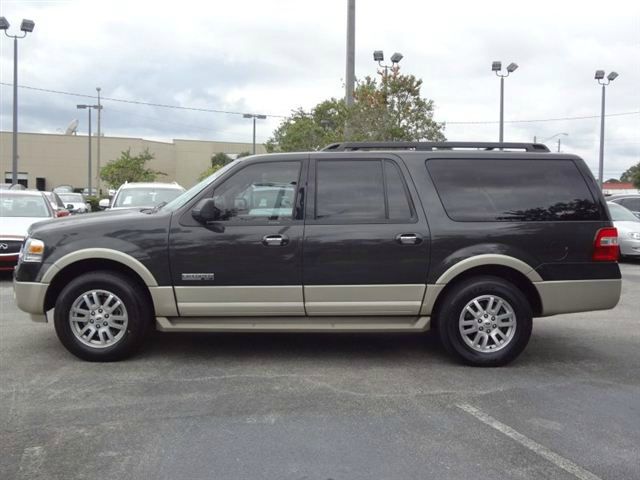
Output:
x=17 y=226
x=75 y=223
x=627 y=227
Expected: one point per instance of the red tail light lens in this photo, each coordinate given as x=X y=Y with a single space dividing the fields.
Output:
x=605 y=247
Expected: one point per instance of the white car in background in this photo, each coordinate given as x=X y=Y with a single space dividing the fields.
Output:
x=75 y=202
x=628 y=226
x=19 y=209
x=142 y=195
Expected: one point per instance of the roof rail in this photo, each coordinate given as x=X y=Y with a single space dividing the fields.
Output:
x=432 y=146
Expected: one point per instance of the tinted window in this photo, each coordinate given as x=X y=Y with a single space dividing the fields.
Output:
x=397 y=195
x=262 y=191
x=350 y=189
x=512 y=190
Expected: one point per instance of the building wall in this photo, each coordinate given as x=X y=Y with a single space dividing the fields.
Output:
x=63 y=159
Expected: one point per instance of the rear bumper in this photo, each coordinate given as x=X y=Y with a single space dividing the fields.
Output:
x=30 y=298
x=572 y=296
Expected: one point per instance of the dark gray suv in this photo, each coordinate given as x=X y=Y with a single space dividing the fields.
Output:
x=470 y=239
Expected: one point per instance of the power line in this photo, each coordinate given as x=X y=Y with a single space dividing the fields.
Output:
x=230 y=112
x=136 y=102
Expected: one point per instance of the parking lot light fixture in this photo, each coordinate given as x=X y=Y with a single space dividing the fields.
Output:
x=26 y=27
x=254 y=116
x=599 y=76
x=89 y=108
x=378 y=56
x=496 y=67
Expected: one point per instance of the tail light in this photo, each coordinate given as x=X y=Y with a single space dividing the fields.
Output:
x=62 y=213
x=605 y=247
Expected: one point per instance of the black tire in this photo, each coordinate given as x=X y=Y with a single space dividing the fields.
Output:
x=448 y=320
x=135 y=301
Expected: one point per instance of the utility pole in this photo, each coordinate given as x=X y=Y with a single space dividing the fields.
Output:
x=604 y=82
x=98 y=186
x=350 y=74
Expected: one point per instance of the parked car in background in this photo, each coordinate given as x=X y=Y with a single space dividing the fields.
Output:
x=63 y=189
x=58 y=206
x=85 y=192
x=629 y=201
x=19 y=209
x=142 y=195
x=75 y=202
x=628 y=226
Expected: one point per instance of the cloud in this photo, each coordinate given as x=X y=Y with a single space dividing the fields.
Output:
x=271 y=57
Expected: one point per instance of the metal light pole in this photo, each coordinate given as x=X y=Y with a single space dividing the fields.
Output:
x=351 y=48
x=89 y=108
x=378 y=56
x=254 y=116
x=98 y=187
x=497 y=67
x=601 y=80
x=26 y=27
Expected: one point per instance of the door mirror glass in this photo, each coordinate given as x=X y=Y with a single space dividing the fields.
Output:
x=206 y=211
x=104 y=203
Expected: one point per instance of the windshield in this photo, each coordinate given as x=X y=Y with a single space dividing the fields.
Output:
x=23 y=206
x=145 y=196
x=197 y=188
x=71 y=197
x=621 y=214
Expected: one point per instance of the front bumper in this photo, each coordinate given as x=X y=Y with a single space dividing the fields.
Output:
x=30 y=298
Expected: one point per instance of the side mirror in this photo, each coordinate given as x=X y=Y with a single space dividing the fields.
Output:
x=206 y=211
x=104 y=203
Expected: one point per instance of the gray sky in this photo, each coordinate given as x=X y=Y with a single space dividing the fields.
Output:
x=272 y=56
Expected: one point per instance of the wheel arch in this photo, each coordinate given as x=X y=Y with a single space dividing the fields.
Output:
x=59 y=277
x=509 y=273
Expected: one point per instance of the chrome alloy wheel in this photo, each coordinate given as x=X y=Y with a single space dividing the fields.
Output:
x=98 y=318
x=487 y=323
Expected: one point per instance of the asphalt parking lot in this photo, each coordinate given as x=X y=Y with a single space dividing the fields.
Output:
x=325 y=406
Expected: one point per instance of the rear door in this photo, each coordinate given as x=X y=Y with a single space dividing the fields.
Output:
x=366 y=241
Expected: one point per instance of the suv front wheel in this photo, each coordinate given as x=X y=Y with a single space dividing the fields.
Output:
x=102 y=316
x=485 y=321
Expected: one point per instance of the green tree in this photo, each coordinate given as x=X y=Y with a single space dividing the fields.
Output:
x=632 y=175
x=218 y=161
x=390 y=108
x=128 y=168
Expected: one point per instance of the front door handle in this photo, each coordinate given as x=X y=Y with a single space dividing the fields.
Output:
x=408 y=239
x=275 y=240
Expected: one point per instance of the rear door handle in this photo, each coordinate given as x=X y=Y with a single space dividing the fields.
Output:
x=275 y=240
x=408 y=239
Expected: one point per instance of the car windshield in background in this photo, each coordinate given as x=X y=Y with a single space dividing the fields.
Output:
x=621 y=214
x=23 y=206
x=71 y=197
x=145 y=197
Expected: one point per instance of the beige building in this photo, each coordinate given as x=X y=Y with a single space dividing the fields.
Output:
x=57 y=159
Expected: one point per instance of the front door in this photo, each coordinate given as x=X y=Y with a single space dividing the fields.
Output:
x=249 y=261
x=366 y=244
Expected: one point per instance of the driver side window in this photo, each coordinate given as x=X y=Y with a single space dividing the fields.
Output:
x=262 y=191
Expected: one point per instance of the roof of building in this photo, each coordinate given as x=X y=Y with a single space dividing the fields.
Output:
x=618 y=186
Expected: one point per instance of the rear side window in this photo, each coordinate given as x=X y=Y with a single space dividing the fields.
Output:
x=632 y=204
x=512 y=190
x=361 y=191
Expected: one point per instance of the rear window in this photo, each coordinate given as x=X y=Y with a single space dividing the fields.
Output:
x=512 y=190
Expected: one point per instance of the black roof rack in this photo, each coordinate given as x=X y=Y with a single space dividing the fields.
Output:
x=432 y=146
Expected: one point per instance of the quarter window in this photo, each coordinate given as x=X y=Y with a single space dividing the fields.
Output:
x=262 y=191
x=512 y=190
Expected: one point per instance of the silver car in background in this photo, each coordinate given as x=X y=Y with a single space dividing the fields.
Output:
x=628 y=226
x=75 y=202
x=142 y=195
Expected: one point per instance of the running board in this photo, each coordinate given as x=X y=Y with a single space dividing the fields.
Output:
x=292 y=324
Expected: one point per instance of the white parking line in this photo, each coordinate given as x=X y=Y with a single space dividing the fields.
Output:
x=525 y=441
x=31 y=462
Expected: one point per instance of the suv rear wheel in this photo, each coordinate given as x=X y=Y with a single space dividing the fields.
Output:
x=485 y=321
x=102 y=316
